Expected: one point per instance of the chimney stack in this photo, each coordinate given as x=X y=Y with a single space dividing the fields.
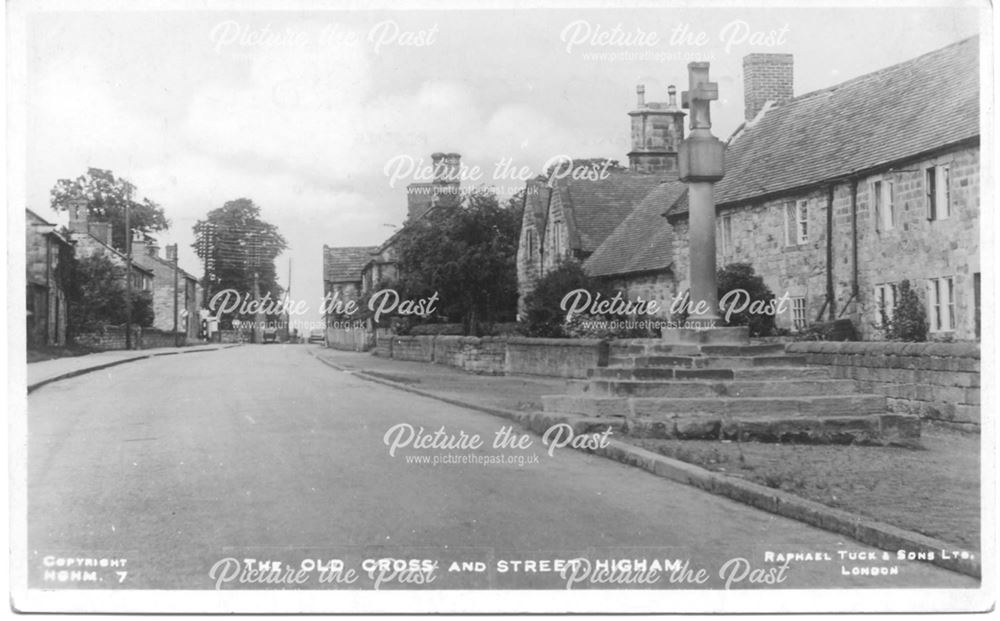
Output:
x=640 y=92
x=79 y=215
x=766 y=77
x=101 y=231
x=171 y=252
x=447 y=167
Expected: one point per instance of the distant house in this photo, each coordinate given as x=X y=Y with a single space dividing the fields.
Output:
x=354 y=271
x=838 y=195
x=342 y=271
x=94 y=238
x=48 y=255
x=176 y=293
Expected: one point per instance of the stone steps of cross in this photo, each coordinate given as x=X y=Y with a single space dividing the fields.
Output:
x=683 y=389
x=706 y=362
x=748 y=373
x=661 y=349
x=666 y=408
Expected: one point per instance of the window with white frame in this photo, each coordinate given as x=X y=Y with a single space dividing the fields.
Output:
x=727 y=233
x=799 y=320
x=937 y=188
x=796 y=222
x=941 y=304
x=883 y=206
x=885 y=303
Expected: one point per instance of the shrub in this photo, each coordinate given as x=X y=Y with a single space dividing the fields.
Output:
x=544 y=315
x=742 y=276
x=909 y=319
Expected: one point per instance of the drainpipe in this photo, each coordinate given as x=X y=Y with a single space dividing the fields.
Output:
x=854 y=237
x=831 y=302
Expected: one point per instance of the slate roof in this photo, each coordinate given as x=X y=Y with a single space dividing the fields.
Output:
x=919 y=105
x=344 y=264
x=642 y=242
x=536 y=202
x=594 y=208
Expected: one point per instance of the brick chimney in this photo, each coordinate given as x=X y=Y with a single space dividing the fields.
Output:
x=766 y=77
x=171 y=251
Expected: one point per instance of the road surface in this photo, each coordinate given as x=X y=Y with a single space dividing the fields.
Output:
x=154 y=473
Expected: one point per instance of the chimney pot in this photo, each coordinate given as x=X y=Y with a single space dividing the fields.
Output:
x=640 y=92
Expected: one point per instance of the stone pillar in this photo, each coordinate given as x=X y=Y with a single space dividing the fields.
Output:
x=702 y=163
x=701 y=234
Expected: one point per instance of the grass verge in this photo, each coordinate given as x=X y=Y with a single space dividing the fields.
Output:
x=934 y=490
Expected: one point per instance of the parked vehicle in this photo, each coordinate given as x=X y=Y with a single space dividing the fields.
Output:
x=270 y=335
x=317 y=336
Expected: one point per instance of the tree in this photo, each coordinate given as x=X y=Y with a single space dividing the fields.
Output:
x=544 y=314
x=909 y=320
x=235 y=244
x=467 y=254
x=107 y=197
x=96 y=294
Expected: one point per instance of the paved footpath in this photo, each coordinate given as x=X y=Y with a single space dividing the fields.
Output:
x=518 y=393
x=46 y=371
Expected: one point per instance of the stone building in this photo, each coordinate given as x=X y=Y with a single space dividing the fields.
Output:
x=573 y=216
x=838 y=195
x=342 y=271
x=48 y=255
x=94 y=238
x=176 y=293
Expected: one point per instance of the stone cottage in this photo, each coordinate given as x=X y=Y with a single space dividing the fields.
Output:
x=48 y=255
x=176 y=293
x=838 y=195
x=94 y=238
x=342 y=267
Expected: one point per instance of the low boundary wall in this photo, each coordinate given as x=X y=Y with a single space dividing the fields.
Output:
x=496 y=355
x=937 y=381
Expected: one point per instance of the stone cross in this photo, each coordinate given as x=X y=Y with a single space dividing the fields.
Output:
x=700 y=94
x=701 y=162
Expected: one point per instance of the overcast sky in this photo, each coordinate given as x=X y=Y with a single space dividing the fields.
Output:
x=302 y=111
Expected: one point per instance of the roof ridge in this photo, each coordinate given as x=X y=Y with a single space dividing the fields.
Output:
x=866 y=76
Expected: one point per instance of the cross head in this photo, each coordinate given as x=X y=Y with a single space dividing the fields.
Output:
x=700 y=92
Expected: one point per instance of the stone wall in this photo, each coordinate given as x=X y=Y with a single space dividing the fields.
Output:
x=555 y=357
x=476 y=355
x=113 y=338
x=496 y=355
x=937 y=381
x=349 y=339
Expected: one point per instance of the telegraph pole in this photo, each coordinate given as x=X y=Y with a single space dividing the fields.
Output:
x=128 y=269
x=176 y=278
